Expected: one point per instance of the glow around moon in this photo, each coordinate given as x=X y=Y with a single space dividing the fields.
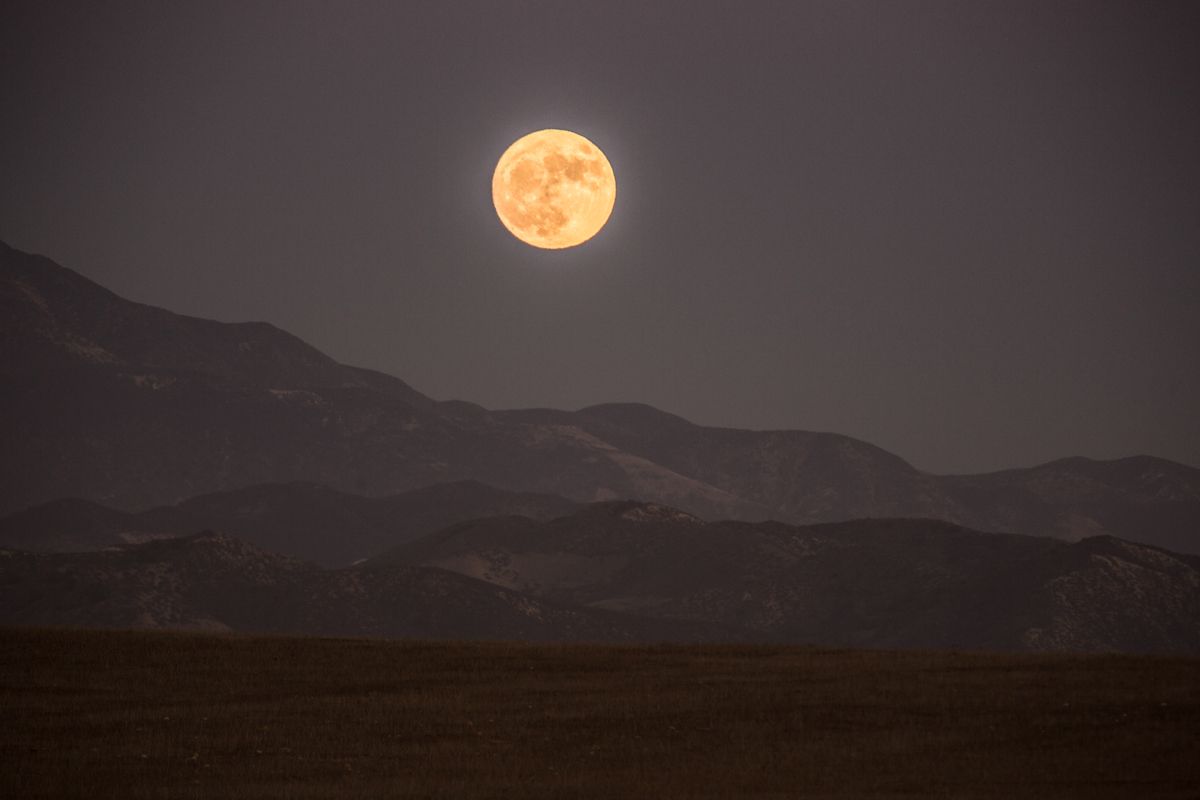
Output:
x=553 y=189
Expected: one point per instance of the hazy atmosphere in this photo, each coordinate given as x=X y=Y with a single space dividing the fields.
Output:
x=966 y=233
x=599 y=399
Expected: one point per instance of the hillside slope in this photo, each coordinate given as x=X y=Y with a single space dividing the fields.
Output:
x=867 y=583
x=305 y=521
x=214 y=582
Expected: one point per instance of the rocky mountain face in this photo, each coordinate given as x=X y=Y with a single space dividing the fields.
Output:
x=866 y=583
x=134 y=407
x=214 y=582
x=305 y=521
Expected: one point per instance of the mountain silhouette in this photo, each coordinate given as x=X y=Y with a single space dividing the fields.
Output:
x=210 y=581
x=864 y=583
x=301 y=520
x=624 y=571
x=135 y=407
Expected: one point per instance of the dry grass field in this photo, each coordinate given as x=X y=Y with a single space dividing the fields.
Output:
x=168 y=715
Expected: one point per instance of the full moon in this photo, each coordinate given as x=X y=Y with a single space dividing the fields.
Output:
x=553 y=189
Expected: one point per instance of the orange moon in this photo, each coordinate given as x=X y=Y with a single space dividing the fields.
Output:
x=553 y=189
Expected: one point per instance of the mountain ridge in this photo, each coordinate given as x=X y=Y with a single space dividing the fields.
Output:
x=211 y=581
x=864 y=583
x=126 y=405
x=301 y=520
x=627 y=571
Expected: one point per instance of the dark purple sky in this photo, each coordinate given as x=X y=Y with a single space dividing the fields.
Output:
x=967 y=232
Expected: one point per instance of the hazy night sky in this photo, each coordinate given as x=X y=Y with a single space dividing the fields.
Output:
x=966 y=232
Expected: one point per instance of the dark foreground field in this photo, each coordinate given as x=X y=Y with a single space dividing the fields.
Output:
x=129 y=715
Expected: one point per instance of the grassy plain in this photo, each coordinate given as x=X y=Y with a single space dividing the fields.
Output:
x=92 y=714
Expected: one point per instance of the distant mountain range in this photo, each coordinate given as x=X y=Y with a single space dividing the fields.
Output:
x=626 y=571
x=866 y=583
x=300 y=520
x=213 y=582
x=135 y=407
x=346 y=502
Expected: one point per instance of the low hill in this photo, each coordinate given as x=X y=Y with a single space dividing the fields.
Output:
x=866 y=583
x=306 y=521
x=214 y=582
